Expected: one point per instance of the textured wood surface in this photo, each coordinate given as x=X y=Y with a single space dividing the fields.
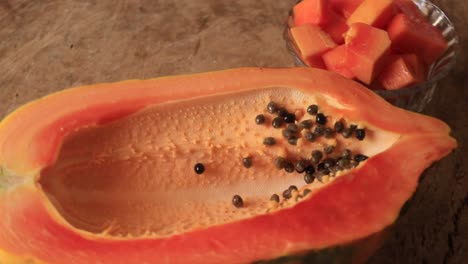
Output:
x=50 y=45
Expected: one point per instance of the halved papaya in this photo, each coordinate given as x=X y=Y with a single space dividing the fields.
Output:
x=181 y=169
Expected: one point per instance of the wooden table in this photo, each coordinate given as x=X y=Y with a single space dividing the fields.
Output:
x=50 y=45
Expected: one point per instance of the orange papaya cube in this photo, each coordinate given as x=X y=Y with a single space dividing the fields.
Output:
x=335 y=60
x=416 y=36
x=312 y=42
x=336 y=27
x=311 y=12
x=367 y=49
x=345 y=7
x=409 y=8
x=402 y=71
x=377 y=13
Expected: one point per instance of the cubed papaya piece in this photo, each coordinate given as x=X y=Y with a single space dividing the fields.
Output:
x=409 y=8
x=311 y=12
x=402 y=71
x=416 y=36
x=335 y=60
x=367 y=49
x=345 y=7
x=336 y=27
x=312 y=42
x=377 y=13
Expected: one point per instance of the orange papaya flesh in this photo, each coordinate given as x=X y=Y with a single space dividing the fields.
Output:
x=103 y=173
x=335 y=60
x=311 y=12
x=367 y=50
x=345 y=7
x=336 y=27
x=374 y=13
x=312 y=42
x=409 y=8
x=402 y=71
x=413 y=35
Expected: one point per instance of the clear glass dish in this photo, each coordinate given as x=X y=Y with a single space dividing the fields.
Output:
x=413 y=98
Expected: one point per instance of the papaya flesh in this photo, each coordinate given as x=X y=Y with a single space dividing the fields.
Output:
x=105 y=173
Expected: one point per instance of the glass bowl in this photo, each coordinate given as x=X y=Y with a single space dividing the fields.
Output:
x=416 y=97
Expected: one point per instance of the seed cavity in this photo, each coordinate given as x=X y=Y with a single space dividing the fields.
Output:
x=323 y=164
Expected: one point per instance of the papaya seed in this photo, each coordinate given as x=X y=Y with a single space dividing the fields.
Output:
x=359 y=157
x=289 y=167
x=306 y=192
x=312 y=109
x=328 y=132
x=318 y=131
x=339 y=126
x=286 y=194
x=328 y=149
x=293 y=128
x=309 y=136
x=289 y=118
x=247 y=162
x=360 y=133
x=307 y=124
x=316 y=156
x=269 y=141
x=346 y=154
x=321 y=119
x=309 y=178
x=272 y=107
x=287 y=133
x=347 y=132
x=282 y=112
x=260 y=119
x=277 y=122
x=301 y=165
x=275 y=198
x=237 y=201
x=309 y=170
x=292 y=140
x=199 y=168
x=280 y=162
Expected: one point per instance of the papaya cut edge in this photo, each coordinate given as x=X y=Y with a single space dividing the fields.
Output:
x=45 y=128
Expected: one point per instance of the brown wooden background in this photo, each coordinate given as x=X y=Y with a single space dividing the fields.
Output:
x=48 y=45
